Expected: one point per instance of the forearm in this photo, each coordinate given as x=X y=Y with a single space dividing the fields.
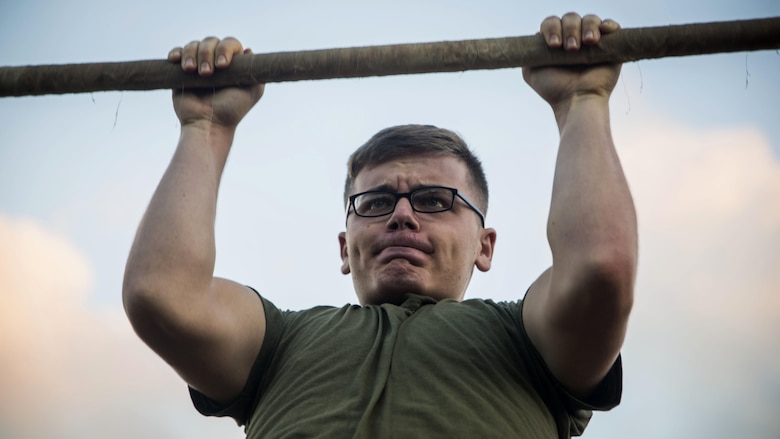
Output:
x=577 y=311
x=592 y=223
x=174 y=248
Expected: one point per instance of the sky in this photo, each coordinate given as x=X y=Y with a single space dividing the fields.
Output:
x=698 y=137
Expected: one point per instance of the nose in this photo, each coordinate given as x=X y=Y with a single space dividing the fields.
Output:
x=403 y=217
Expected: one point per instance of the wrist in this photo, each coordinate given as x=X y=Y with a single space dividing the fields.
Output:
x=579 y=103
x=208 y=141
x=212 y=133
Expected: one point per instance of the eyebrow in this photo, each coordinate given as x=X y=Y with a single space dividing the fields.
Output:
x=382 y=187
x=387 y=187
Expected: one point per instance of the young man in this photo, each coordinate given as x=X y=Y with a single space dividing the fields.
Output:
x=414 y=359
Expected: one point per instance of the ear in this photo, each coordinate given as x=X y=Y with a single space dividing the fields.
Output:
x=487 y=243
x=344 y=253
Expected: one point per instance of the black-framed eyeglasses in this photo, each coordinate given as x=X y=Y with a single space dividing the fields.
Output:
x=431 y=199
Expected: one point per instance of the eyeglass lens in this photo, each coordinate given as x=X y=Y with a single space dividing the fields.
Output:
x=423 y=200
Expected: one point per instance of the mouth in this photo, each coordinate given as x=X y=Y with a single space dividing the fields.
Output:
x=410 y=248
x=412 y=255
x=404 y=241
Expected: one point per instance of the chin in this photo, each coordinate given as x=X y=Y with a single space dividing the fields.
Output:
x=390 y=283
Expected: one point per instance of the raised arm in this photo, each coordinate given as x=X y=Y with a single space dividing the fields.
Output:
x=577 y=311
x=210 y=330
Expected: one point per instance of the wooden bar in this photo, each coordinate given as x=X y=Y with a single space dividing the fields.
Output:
x=625 y=45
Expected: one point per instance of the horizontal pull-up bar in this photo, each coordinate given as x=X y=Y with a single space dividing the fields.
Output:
x=449 y=56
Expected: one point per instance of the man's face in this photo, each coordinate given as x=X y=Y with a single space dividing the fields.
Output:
x=431 y=254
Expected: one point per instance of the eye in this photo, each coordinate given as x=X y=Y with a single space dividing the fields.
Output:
x=432 y=199
x=374 y=203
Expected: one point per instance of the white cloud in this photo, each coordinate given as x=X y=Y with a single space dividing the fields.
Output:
x=709 y=210
x=67 y=370
x=701 y=355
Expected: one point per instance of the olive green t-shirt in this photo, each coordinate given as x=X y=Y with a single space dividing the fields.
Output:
x=424 y=369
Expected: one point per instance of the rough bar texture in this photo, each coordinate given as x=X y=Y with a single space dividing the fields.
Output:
x=450 y=56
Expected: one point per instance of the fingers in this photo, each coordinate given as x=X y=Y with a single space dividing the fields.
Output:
x=572 y=31
x=551 y=31
x=609 y=25
x=571 y=28
x=207 y=55
x=591 y=34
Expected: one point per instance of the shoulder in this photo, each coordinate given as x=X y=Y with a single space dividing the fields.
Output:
x=509 y=310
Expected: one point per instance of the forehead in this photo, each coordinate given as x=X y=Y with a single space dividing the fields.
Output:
x=407 y=173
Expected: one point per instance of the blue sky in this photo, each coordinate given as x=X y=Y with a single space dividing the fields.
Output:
x=698 y=136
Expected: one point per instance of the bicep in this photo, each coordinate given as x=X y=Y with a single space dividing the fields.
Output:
x=577 y=328
x=211 y=341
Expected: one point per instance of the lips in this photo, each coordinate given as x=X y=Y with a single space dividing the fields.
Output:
x=401 y=246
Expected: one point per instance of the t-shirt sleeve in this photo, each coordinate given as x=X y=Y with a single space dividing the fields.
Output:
x=606 y=397
x=561 y=402
x=241 y=408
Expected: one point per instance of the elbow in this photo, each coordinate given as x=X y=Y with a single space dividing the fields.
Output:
x=138 y=291
x=150 y=289
x=152 y=314
x=148 y=304
x=159 y=299
x=599 y=282
x=162 y=304
x=140 y=305
x=609 y=277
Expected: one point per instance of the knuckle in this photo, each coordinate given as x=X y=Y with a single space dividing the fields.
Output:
x=551 y=23
x=229 y=45
x=591 y=19
x=570 y=28
x=192 y=46
x=175 y=53
x=205 y=50
x=571 y=22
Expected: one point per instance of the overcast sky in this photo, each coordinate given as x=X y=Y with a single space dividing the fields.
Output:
x=699 y=138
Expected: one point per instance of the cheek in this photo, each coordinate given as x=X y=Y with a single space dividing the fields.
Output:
x=358 y=244
x=459 y=250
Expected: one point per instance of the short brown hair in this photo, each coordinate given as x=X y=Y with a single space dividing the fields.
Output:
x=409 y=140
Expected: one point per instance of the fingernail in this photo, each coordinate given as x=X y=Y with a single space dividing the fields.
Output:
x=189 y=63
x=221 y=60
x=571 y=43
x=589 y=35
x=554 y=40
x=205 y=67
